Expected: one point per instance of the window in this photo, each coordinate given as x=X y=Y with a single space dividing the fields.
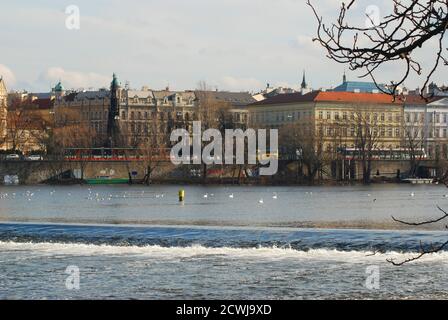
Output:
x=444 y=133
x=389 y=132
x=132 y=115
x=344 y=116
x=336 y=116
x=123 y=115
x=383 y=117
x=328 y=115
x=321 y=115
x=390 y=117
x=397 y=132
x=408 y=117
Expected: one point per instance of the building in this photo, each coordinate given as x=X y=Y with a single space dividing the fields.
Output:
x=3 y=112
x=235 y=103
x=141 y=112
x=137 y=111
x=271 y=92
x=334 y=116
x=426 y=124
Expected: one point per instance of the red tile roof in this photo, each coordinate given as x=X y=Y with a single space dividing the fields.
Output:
x=354 y=97
x=332 y=96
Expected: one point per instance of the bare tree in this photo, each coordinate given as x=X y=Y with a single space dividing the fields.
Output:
x=367 y=133
x=152 y=147
x=307 y=143
x=208 y=114
x=414 y=138
x=395 y=38
x=424 y=250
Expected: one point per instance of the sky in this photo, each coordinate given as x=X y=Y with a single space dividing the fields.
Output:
x=234 y=45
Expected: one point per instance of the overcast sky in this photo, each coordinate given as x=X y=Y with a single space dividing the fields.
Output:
x=231 y=44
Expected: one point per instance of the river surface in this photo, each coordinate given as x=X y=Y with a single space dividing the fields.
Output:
x=138 y=242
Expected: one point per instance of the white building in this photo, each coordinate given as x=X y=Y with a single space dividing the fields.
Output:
x=427 y=122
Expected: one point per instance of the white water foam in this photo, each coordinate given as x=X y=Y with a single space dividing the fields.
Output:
x=268 y=253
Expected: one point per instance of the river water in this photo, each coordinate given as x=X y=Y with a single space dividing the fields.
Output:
x=139 y=242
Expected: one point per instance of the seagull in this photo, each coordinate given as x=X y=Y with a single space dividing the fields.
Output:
x=205 y=195
x=261 y=201
x=275 y=196
x=412 y=194
x=231 y=196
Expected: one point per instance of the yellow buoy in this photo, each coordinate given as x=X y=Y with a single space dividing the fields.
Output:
x=181 y=195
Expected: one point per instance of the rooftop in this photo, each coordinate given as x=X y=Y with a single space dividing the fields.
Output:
x=358 y=86
x=330 y=96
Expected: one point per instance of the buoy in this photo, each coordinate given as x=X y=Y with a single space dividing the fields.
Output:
x=181 y=195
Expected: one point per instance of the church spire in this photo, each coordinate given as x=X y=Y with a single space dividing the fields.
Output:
x=344 y=78
x=304 y=85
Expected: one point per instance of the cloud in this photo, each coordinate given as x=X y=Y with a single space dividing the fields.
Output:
x=73 y=79
x=239 y=84
x=8 y=75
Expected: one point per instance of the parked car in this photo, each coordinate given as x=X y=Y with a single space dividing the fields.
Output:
x=13 y=156
x=34 y=157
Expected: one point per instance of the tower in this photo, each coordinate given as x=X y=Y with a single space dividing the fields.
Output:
x=113 y=116
x=59 y=90
x=304 y=85
x=344 y=78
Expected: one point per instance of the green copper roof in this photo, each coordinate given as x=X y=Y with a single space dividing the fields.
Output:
x=59 y=87
x=114 y=82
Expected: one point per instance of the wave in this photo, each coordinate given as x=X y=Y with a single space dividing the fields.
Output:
x=199 y=251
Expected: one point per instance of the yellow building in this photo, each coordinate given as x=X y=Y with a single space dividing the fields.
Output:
x=337 y=119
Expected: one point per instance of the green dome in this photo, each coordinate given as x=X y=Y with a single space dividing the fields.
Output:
x=114 y=82
x=59 y=87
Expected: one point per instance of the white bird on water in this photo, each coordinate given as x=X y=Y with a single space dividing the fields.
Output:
x=206 y=196
x=261 y=201
x=231 y=196
x=412 y=194
x=275 y=196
